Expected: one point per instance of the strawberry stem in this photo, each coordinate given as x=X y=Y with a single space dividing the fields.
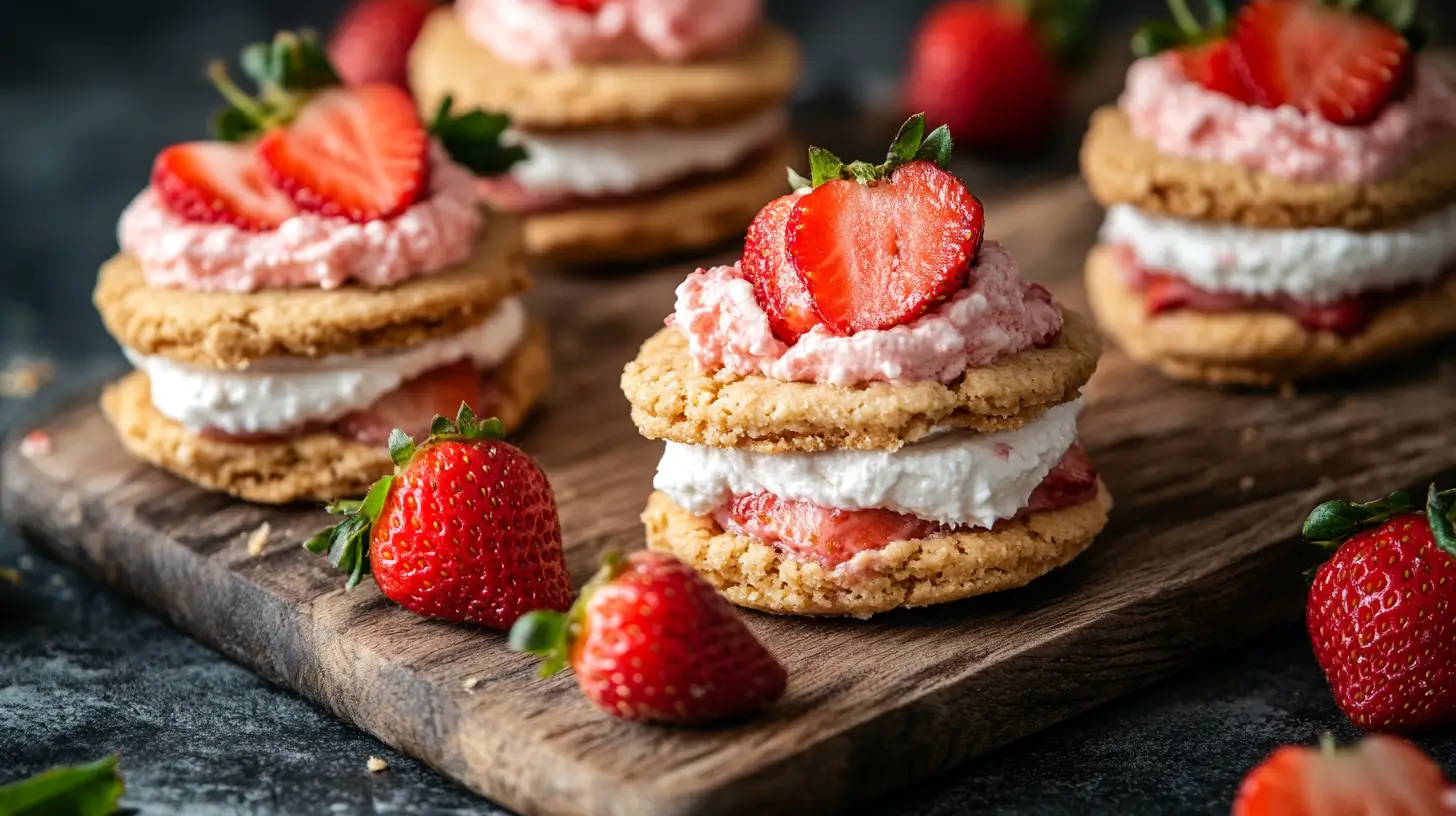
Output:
x=217 y=71
x=1327 y=744
x=1187 y=23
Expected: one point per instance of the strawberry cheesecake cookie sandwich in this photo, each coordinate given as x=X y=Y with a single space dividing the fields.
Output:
x=653 y=126
x=871 y=409
x=1281 y=193
x=318 y=275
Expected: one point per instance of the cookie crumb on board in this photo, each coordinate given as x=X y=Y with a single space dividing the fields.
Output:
x=471 y=683
x=375 y=764
x=22 y=378
x=258 y=539
x=1246 y=484
x=35 y=443
x=1249 y=435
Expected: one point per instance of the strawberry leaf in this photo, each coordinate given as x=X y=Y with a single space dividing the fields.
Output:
x=231 y=124
x=474 y=139
x=864 y=172
x=1440 y=510
x=907 y=141
x=936 y=147
x=401 y=447
x=542 y=633
x=1334 y=521
x=286 y=72
x=824 y=166
x=346 y=544
x=1184 y=30
x=442 y=426
x=300 y=64
x=798 y=182
x=82 y=790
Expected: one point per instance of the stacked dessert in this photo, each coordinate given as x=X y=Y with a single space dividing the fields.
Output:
x=652 y=125
x=871 y=409
x=318 y=276
x=1281 y=194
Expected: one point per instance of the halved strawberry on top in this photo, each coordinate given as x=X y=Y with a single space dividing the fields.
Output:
x=1202 y=49
x=219 y=183
x=360 y=153
x=1342 y=65
x=775 y=280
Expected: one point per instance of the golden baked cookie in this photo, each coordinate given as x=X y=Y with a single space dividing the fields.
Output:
x=318 y=466
x=231 y=329
x=942 y=568
x=693 y=217
x=672 y=400
x=1120 y=168
x=447 y=60
x=1255 y=348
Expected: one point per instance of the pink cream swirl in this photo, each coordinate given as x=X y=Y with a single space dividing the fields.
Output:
x=1185 y=119
x=309 y=249
x=541 y=33
x=994 y=316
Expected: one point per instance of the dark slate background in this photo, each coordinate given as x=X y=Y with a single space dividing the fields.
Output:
x=89 y=92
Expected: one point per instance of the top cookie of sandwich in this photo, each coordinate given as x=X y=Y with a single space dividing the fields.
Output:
x=866 y=313
x=231 y=329
x=446 y=60
x=1295 y=114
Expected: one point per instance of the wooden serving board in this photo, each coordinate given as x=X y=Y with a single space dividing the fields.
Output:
x=1199 y=556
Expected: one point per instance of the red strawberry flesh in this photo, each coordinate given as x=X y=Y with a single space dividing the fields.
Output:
x=219 y=183
x=1342 y=66
x=360 y=153
x=879 y=254
x=831 y=536
x=775 y=281
x=413 y=405
x=1212 y=65
x=1383 y=774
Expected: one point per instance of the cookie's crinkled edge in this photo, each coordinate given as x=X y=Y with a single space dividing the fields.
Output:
x=672 y=400
x=1256 y=348
x=922 y=572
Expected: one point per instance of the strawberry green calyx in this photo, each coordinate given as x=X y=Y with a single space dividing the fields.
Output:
x=911 y=144
x=1061 y=25
x=1331 y=523
x=93 y=789
x=549 y=635
x=473 y=139
x=287 y=71
x=1183 y=31
x=347 y=543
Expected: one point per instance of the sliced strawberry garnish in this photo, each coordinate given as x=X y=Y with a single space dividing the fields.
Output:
x=1381 y=774
x=765 y=263
x=877 y=254
x=586 y=6
x=820 y=534
x=1072 y=482
x=1342 y=66
x=219 y=183
x=360 y=153
x=1211 y=65
x=1163 y=293
x=413 y=405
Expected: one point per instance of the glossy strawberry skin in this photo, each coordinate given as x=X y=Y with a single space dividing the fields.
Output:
x=219 y=183
x=980 y=68
x=469 y=532
x=1342 y=66
x=775 y=281
x=1212 y=65
x=359 y=153
x=371 y=42
x=877 y=255
x=1381 y=615
x=657 y=643
x=1382 y=774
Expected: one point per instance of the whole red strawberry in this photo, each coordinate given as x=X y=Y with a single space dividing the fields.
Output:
x=465 y=530
x=1380 y=775
x=876 y=245
x=1382 y=611
x=371 y=42
x=988 y=69
x=650 y=640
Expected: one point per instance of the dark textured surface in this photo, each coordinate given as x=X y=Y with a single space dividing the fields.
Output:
x=91 y=91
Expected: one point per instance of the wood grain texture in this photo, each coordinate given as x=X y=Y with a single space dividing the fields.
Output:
x=1196 y=560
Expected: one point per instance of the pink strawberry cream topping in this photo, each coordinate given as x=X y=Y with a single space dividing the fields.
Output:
x=995 y=315
x=308 y=249
x=549 y=33
x=1186 y=119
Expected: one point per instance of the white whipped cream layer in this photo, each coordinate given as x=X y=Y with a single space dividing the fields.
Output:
x=955 y=477
x=278 y=394
x=1318 y=265
x=608 y=162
